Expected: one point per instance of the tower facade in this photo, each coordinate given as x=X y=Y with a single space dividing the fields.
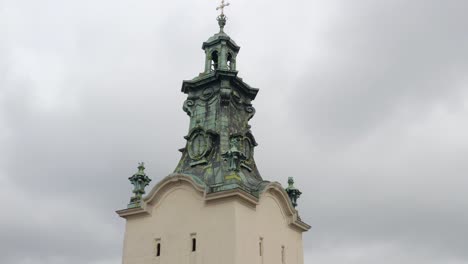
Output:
x=215 y=207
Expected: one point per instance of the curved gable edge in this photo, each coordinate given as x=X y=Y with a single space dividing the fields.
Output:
x=170 y=181
x=174 y=180
x=294 y=220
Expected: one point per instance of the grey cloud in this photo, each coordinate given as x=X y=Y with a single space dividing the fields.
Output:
x=382 y=57
x=351 y=110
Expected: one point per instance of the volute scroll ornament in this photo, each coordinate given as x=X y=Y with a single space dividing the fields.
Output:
x=207 y=93
x=187 y=107
x=251 y=111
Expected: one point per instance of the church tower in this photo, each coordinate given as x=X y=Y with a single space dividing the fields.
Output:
x=215 y=208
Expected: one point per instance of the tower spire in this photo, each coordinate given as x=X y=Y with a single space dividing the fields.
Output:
x=220 y=145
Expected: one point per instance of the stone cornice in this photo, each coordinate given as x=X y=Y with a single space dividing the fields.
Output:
x=132 y=211
x=218 y=38
x=239 y=193
x=214 y=77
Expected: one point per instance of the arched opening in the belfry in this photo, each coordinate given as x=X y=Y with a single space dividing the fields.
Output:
x=229 y=61
x=214 y=60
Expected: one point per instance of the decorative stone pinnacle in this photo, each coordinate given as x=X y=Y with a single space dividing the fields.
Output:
x=293 y=192
x=139 y=180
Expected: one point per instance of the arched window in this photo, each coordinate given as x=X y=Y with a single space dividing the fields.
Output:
x=229 y=61
x=214 y=60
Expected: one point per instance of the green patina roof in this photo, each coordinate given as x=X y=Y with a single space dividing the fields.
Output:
x=218 y=38
x=221 y=36
x=219 y=149
x=220 y=145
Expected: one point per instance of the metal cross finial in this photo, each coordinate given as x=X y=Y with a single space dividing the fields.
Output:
x=222 y=6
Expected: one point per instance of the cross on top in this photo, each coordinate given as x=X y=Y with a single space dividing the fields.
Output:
x=222 y=6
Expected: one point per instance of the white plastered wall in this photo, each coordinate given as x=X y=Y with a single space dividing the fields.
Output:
x=269 y=223
x=227 y=230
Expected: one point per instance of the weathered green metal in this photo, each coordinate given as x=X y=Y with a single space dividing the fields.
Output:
x=222 y=18
x=221 y=22
x=220 y=145
x=139 y=180
x=293 y=192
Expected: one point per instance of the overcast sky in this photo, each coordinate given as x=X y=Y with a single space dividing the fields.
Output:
x=365 y=103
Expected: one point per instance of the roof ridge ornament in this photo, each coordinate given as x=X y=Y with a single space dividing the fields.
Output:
x=222 y=18
x=139 y=180
x=292 y=192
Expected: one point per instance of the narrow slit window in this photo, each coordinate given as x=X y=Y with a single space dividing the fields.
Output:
x=260 y=247
x=283 y=256
x=194 y=244
x=158 y=249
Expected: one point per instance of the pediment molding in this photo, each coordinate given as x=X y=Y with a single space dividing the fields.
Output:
x=275 y=189
x=159 y=190
x=171 y=181
x=176 y=180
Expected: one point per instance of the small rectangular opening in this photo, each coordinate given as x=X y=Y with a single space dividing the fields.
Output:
x=194 y=244
x=283 y=255
x=260 y=246
x=193 y=238
x=157 y=247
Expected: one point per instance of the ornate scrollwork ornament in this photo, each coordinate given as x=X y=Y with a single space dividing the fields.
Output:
x=247 y=149
x=187 y=107
x=234 y=156
x=207 y=93
x=199 y=146
x=250 y=111
x=139 y=181
x=225 y=95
